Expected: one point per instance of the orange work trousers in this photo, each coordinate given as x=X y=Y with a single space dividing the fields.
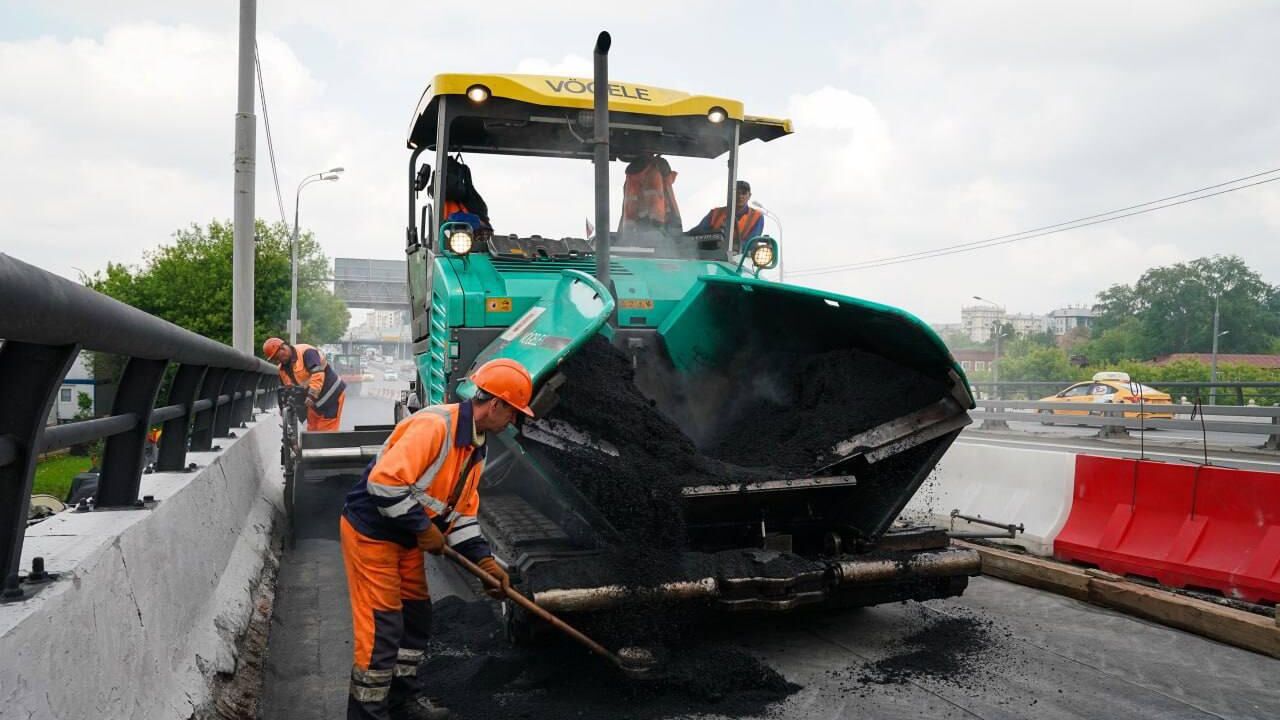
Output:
x=319 y=423
x=391 y=620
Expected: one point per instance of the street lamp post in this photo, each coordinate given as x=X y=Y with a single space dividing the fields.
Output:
x=327 y=176
x=1213 y=361
x=776 y=221
x=995 y=362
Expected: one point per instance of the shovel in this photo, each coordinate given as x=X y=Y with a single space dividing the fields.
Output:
x=634 y=662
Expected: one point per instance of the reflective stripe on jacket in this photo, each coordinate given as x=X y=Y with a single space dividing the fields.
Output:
x=427 y=471
x=309 y=368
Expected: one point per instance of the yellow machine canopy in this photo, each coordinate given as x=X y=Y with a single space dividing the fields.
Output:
x=551 y=116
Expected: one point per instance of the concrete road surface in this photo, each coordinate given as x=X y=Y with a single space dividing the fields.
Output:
x=1038 y=655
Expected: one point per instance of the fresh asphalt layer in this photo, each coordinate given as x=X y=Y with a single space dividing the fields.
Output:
x=1040 y=656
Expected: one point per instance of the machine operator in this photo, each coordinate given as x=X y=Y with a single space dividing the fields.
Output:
x=749 y=224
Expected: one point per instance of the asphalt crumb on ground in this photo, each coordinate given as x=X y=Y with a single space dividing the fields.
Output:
x=472 y=669
x=959 y=649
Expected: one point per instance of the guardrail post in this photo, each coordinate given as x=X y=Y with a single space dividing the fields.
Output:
x=222 y=414
x=30 y=375
x=174 y=433
x=122 y=459
x=244 y=409
x=1273 y=441
x=202 y=423
x=1112 y=431
x=267 y=399
x=994 y=424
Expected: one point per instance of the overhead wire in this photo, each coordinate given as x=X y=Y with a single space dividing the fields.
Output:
x=1044 y=230
x=266 y=123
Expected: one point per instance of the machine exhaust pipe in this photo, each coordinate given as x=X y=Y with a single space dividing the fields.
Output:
x=601 y=159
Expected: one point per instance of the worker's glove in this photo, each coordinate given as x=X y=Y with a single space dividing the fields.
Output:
x=431 y=540
x=492 y=567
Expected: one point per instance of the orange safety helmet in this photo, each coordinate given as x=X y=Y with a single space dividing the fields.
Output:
x=507 y=379
x=271 y=347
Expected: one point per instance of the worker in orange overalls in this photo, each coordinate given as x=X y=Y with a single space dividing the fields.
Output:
x=305 y=365
x=419 y=494
x=749 y=224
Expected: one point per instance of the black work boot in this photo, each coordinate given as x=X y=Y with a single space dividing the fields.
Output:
x=419 y=708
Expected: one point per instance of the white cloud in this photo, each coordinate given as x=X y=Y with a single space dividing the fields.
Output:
x=916 y=126
x=569 y=65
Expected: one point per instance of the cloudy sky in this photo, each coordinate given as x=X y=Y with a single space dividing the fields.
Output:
x=918 y=125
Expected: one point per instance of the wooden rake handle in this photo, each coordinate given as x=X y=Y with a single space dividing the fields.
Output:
x=532 y=607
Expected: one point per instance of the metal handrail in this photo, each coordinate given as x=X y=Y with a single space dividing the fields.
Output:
x=1117 y=408
x=48 y=321
x=1109 y=417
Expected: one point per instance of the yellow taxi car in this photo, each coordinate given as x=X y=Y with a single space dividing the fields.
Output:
x=1110 y=387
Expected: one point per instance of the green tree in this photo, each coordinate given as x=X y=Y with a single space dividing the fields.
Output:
x=1170 y=309
x=1036 y=363
x=84 y=403
x=188 y=283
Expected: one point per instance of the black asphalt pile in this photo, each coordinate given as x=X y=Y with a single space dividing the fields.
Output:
x=803 y=404
x=471 y=669
x=638 y=490
x=960 y=651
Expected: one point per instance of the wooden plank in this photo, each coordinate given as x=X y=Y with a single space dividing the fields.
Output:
x=1032 y=571
x=1234 y=627
x=1241 y=628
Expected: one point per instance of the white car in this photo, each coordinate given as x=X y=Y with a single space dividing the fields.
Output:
x=390 y=375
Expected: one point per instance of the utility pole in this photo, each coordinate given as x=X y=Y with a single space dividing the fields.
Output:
x=242 y=281
x=1213 y=363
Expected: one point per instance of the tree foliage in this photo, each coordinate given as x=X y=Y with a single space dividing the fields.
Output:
x=1170 y=310
x=188 y=283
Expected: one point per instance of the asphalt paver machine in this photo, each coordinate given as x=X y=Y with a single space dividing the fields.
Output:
x=691 y=311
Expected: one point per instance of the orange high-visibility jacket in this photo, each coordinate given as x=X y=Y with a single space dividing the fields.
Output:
x=744 y=229
x=309 y=368
x=648 y=196
x=427 y=471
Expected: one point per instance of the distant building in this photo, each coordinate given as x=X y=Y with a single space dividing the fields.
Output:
x=978 y=321
x=1268 y=362
x=1065 y=319
x=974 y=359
x=67 y=405
x=390 y=320
x=1028 y=323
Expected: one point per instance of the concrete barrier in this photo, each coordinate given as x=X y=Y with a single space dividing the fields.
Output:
x=149 y=603
x=1001 y=484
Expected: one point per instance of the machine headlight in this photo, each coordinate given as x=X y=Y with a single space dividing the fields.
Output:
x=460 y=241
x=478 y=93
x=762 y=256
x=717 y=114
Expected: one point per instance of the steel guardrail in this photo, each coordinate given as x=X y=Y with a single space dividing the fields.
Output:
x=1240 y=392
x=1109 y=417
x=47 y=321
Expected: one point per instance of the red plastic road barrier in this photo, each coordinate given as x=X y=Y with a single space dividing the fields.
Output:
x=1183 y=525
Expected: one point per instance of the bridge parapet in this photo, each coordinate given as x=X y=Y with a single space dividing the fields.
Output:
x=47 y=321
x=148 y=604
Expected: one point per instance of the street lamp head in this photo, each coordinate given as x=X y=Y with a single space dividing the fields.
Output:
x=337 y=170
x=330 y=177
